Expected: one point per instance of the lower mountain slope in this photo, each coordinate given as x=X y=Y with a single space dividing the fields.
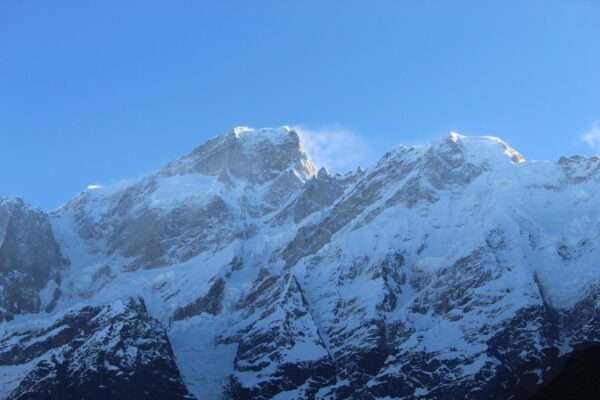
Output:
x=578 y=379
x=116 y=351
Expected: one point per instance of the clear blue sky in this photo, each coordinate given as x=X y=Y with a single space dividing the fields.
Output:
x=98 y=91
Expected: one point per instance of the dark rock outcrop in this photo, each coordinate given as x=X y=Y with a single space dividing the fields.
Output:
x=29 y=259
x=104 y=352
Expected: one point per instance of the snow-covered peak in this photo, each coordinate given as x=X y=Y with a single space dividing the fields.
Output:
x=323 y=173
x=276 y=136
x=11 y=201
x=455 y=152
x=253 y=155
x=488 y=148
x=11 y=205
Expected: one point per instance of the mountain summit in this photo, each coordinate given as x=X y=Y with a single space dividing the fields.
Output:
x=446 y=271
x=255 y=155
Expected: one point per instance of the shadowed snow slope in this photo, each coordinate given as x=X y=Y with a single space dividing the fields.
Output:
x=452 y=270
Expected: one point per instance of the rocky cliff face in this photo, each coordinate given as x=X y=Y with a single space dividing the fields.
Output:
x=30 y=261
x=453 y=270
x=115 y=351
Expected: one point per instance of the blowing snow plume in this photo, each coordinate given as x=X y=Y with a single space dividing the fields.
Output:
x=592 y=137
x=336 y=148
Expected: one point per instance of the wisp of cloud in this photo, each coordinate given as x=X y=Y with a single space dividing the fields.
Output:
x=592 y=137
x=336 y=148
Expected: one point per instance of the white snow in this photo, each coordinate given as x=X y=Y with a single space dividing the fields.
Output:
x=487 y=148
x=250 y=136
x=529 y=202
x=192 y=189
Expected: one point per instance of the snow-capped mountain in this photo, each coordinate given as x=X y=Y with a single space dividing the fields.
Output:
x=456 y=270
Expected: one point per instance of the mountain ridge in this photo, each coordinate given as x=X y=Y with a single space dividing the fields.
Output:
x=450 y=270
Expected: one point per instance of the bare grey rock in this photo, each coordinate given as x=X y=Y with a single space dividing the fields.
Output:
x=29 y=258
